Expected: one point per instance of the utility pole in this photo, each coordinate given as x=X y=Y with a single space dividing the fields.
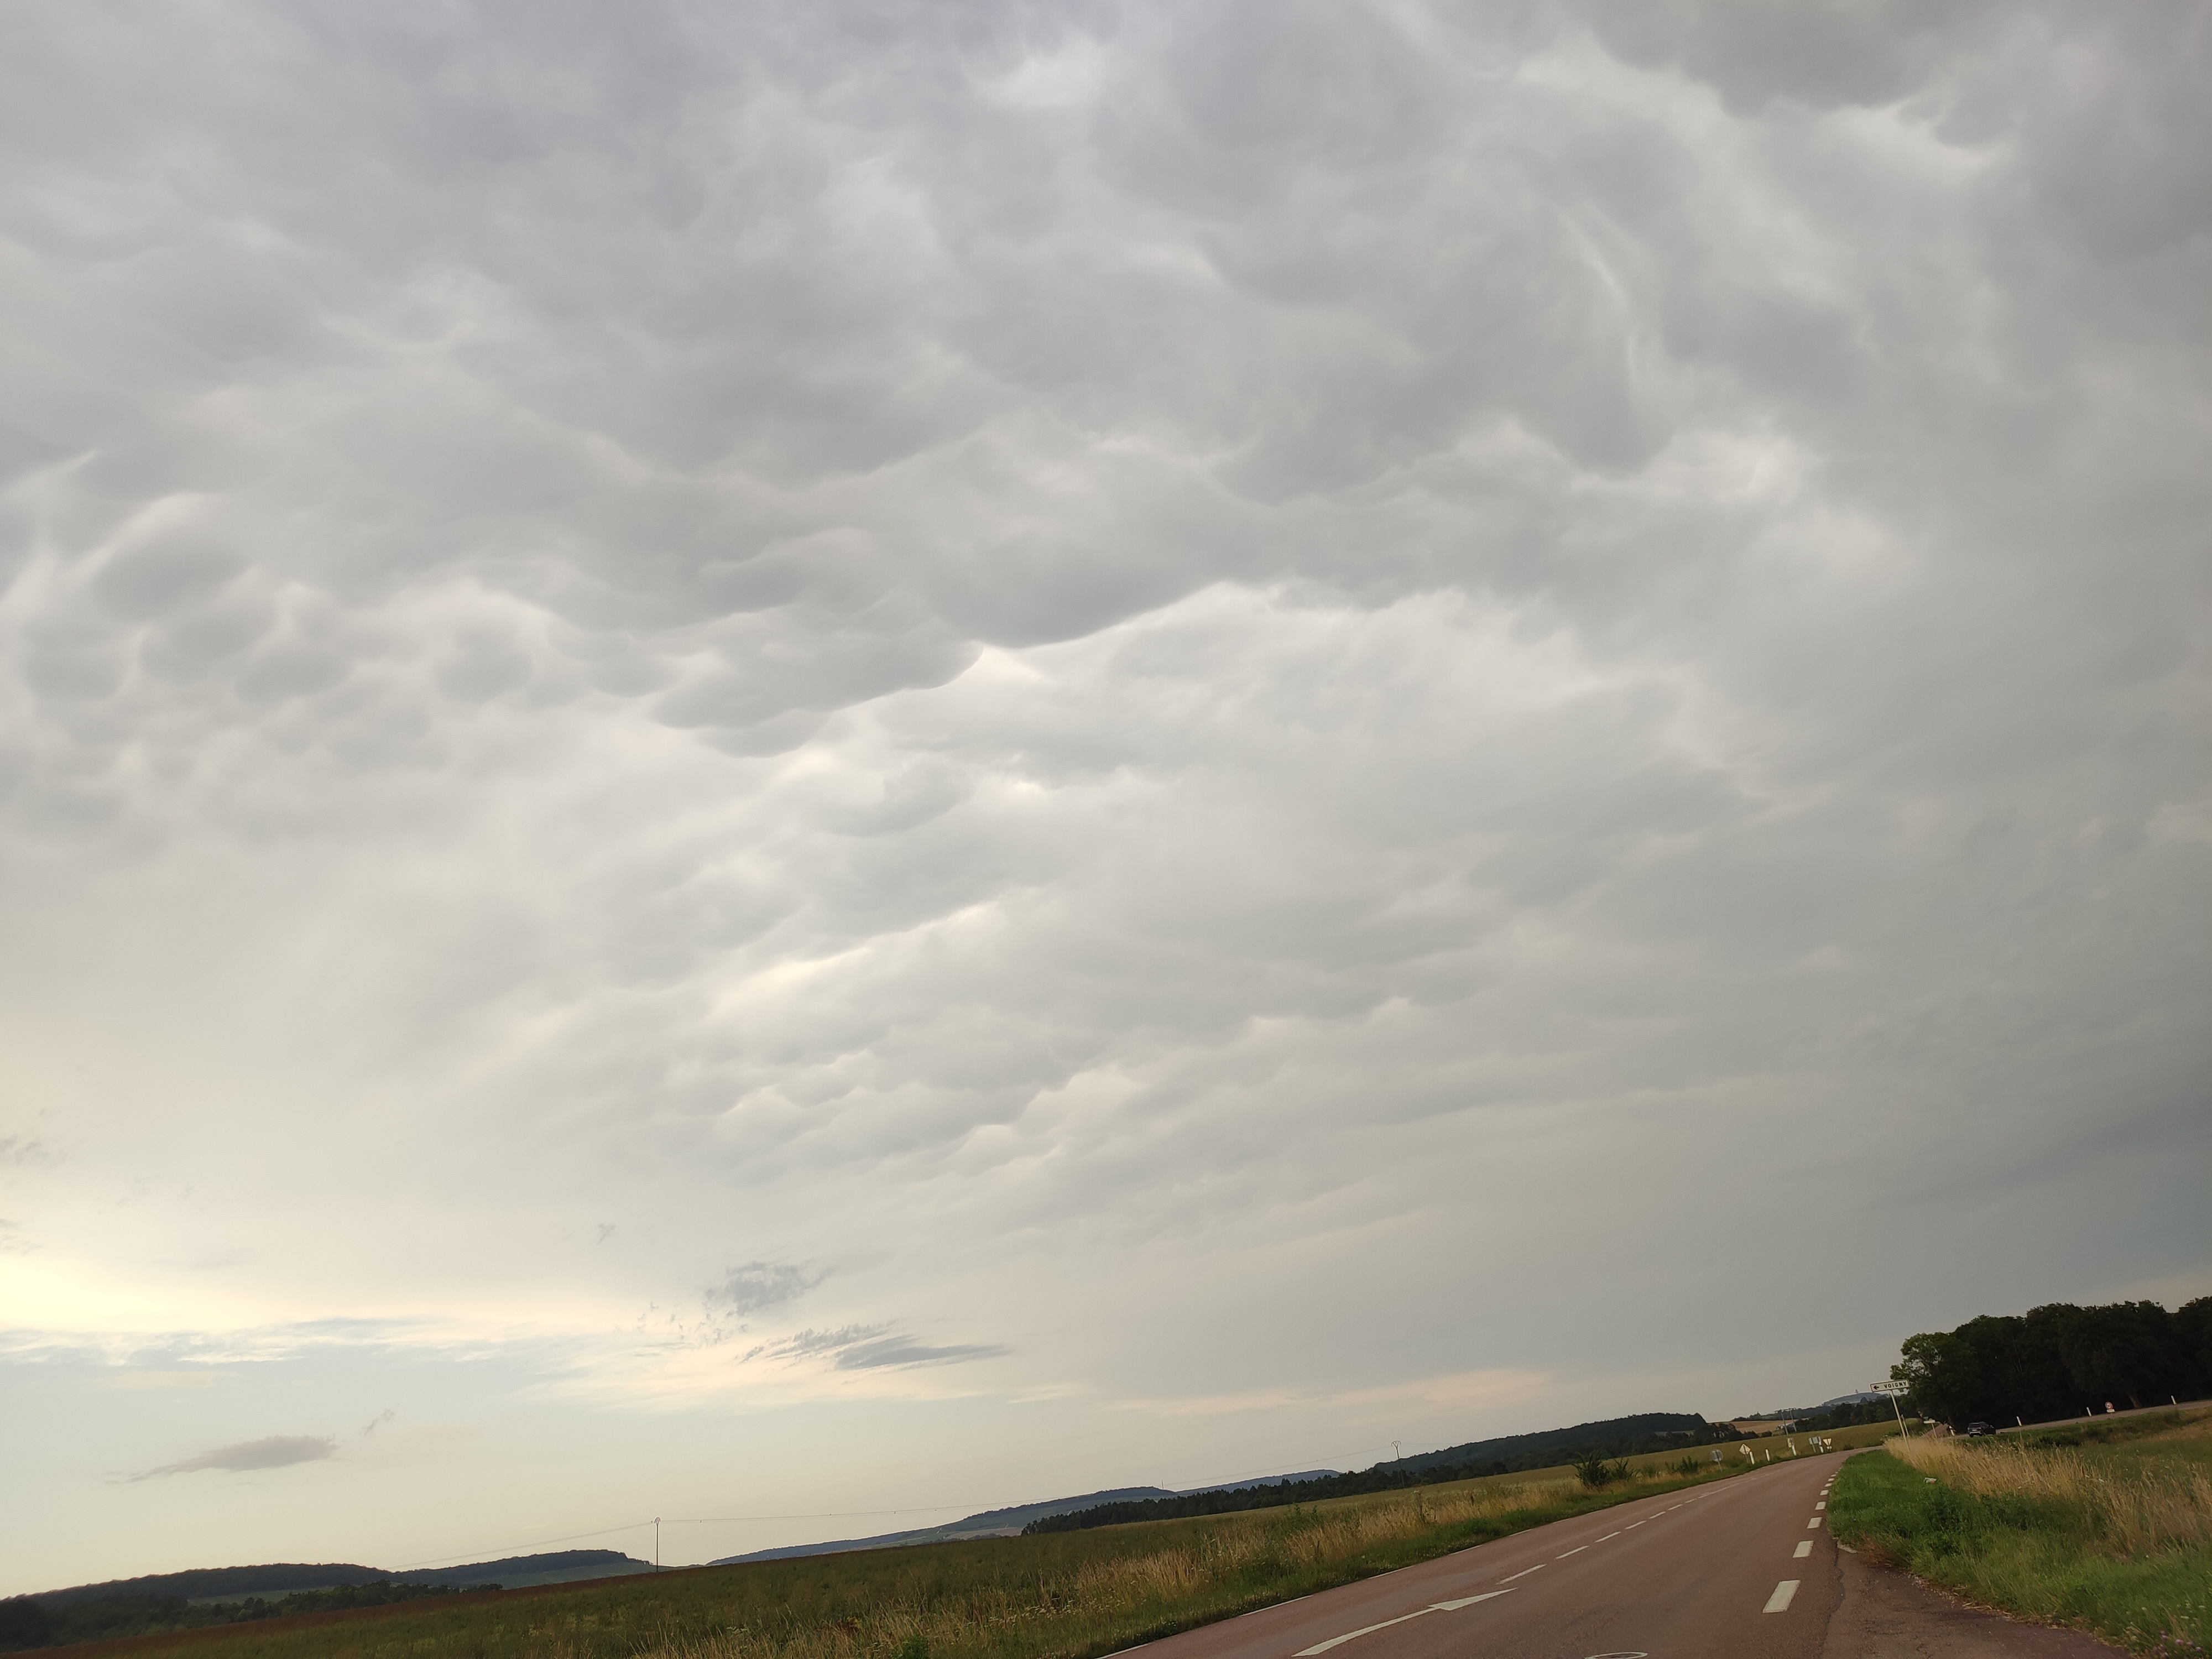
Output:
x=656 y=1543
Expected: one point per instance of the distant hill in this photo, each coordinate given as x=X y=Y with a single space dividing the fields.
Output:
x=519 y=1571
x=291 y=1578
x=1616 y=1437
x=1021 y=1515
x=200 y=1583
x=1261 y=1480
x=985 y=1523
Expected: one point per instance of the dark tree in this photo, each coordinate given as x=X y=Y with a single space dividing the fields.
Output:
x=2059 y=1360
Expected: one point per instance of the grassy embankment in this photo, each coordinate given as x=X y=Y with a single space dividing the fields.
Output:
x=1061 y=1595
x=2103 y=1526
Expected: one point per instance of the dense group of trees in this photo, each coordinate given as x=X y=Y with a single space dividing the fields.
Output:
x=200 y=1596
x=1614 y=1436
x=28 y=1622
x=226 y=1583
x=1617 y=1437
x=2060 y=1361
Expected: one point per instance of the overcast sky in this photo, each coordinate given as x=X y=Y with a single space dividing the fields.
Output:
x=793 y=761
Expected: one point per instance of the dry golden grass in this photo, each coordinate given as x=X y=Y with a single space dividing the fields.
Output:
x=2055 y=1527
x=1068 y=1611
x=2137 y=1508
x=1057 y=1595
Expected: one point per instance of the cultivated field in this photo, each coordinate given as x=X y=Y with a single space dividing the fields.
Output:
x=2106 y=1526
x=1061 y=1595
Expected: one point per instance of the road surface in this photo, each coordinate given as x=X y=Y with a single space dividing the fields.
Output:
x=1742 y=1568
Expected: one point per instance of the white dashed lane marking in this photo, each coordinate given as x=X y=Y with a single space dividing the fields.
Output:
x=1777 y=1602
x=1822 y=1504
x=1369 y=1630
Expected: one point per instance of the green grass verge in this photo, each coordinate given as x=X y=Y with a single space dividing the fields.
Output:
x=2040 y=1560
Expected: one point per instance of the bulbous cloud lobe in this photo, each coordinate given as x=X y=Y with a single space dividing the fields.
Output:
x=1034 y=653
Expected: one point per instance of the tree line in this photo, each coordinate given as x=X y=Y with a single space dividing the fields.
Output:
x=30 y=1622
x=2059 y=1361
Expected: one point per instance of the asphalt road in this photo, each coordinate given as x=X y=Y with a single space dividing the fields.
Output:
x=1744 y=1568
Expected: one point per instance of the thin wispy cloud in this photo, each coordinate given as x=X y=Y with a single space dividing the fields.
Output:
x=891 y=1351
x=868 y=1348
x=277 y=1451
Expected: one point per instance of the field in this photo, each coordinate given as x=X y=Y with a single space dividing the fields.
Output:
x=2103 y=1526
x=1061 y=1595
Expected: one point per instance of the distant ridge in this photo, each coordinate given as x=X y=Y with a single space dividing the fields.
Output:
x=1263 y=1480
x=289 y=1578
x=1614 y=1436
x=1022 y=1514
x=517 y=1572
x=985 y=1523
x=197 y=1584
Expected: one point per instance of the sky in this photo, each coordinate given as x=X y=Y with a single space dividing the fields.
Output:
x=804 y=766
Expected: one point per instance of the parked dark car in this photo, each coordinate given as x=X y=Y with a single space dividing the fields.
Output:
x=1978 y=1428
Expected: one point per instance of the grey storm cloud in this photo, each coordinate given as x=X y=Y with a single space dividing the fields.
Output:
x=276 y=1452
x=1179 y=681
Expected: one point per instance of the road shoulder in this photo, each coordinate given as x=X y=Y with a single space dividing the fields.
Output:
x=1885 y=1615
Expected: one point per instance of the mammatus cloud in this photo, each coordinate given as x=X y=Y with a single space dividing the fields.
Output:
x=276 y=1452
x=1229 y=690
